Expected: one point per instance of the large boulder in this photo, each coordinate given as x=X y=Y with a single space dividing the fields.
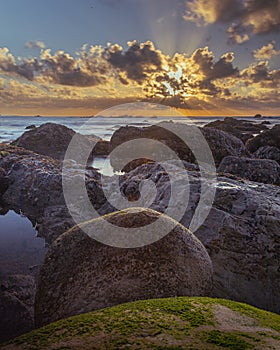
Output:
x=80 y=274
x=221 y=143
x=241 y=232
x=17 y=293
x=267 y=138
x=242 y=129
x=51 y=140
x=259 y=170
x=268 y=152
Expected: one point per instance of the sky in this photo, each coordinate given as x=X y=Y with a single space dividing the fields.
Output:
x=80 y=57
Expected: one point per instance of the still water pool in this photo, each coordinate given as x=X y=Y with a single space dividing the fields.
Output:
x=20 y=248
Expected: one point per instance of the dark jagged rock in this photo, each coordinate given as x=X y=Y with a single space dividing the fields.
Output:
x=4 y=181
x=242 y=129
x=221 y=144
x=241 y=232
x=51 y=140
x=268 y=152
x=80 y=274
x=29 y=127
x=17 y=295
x=259 y=170
x=267 y=138
x=35 y=188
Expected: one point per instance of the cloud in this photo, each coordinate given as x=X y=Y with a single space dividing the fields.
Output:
x=35 y=45
x=24 y=67
x=266 y=52
x=137 y=62
x=245 y=17
x=139 y=72
x=204 y=12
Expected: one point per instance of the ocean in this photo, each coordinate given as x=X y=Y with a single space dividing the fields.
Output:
x=11 y=127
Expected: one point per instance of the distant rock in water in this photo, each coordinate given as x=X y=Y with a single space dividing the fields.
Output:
x=242 y=129
x=51 y=140
x=258 y=170
x=268 y=152
x=258 y=116
x=80 y=274
x=267 y=138
x=29 y=127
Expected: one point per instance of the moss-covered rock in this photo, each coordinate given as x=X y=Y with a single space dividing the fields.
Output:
x=174 y=323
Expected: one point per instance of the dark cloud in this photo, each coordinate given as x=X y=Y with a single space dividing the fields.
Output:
x=137 y=62
x=245 y=17
x=25 y=67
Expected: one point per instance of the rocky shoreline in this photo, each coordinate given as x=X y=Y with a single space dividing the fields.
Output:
x=240 y=235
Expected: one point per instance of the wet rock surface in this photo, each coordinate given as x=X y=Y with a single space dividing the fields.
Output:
x=80 y=274
x=244 y=130
x=268 y=152
x=52 y=140
x=259 y=170
x=267 y=138
x=17 y=293
x=35 y=188
x=221 y=143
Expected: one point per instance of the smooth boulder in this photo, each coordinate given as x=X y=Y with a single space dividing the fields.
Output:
x=241 y=232
x=80 y=274
x=52 y=140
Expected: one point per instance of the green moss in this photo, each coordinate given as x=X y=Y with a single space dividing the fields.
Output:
x=226 y=340
x=171 y=323
x=4 y=154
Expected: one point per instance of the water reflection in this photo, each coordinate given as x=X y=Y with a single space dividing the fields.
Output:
x=20 y=248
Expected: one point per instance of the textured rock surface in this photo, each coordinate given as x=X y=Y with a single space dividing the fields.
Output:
x=51 y=140
x=259 y=170
x=79 y=274
x=35 y=188
x=4 y=182
x=242 y=129
x=267 y=138
x=221 y=143
x=268 y=152
x=17 y=294
x=241 y=232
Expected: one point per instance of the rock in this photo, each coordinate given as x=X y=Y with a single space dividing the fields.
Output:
x=4 y=181
x=51 y=140
x=258 y=170
x=80 y=274
x=29 y=127
x=17 y=294
x=169 y=323
x=222 y=144
x=35 y=188
x=241 y=129
x=269 y=137
x=258 y=116
x=102 y=148
x=268 y=152
x=241 y=232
